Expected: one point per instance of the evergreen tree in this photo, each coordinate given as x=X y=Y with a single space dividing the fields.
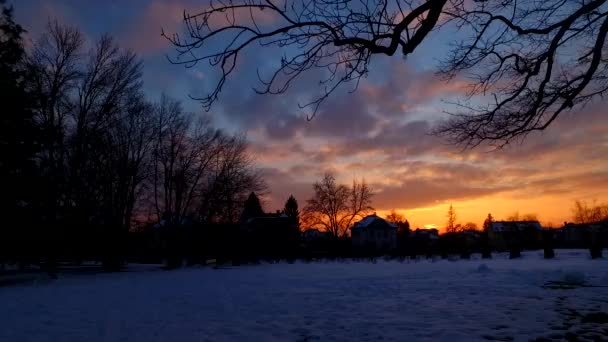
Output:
x=291 y=208
x=486 y=252
x=252 y=208
x=487 y=224
x=17 y=138
x=451 y=224
x=404 y=226
x=293 y=233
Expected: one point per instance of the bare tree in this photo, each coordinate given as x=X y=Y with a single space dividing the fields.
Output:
x=183 y=155
x=583 y=212
x=198 y=170
x=335 y=207
x=529 y=61
x=96 y=136
x=535 y=60
x=108 y=117
x=395 y=217
x=53 y=70
x=469 y=226
x=234 y=177
x=53 y=74
x=516 y=216
x=132 y=141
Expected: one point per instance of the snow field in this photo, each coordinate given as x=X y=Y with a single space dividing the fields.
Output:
x=440 y=300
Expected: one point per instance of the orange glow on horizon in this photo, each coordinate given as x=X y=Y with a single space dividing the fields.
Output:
x=551 y=211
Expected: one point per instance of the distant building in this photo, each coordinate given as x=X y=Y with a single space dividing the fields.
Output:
x=266 y=221
x=315 y=243
x=526 y=234
x=573 y=235
x=313 y=234
x=421 y=241
x=425 y=235
x=374 y=234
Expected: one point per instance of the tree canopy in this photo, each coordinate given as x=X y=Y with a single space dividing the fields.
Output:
x=335 y=207
x=291 y=208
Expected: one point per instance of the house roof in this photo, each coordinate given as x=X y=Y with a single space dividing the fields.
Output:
x=431 y=233
x=372 y=220
x=500 y=226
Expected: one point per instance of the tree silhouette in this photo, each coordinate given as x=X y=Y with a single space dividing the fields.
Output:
x=252 y=208
x=53 y=67
x=395 y=217
x=403 y=226
x=291 y=209
x=292 y=239
x=487 y=223
x=530 y=61
x=451 y=226
x=516 y=216
x=335 y=207
x=18 y=146
x=583 y=212
x=96 y=132
x=103 y=156
x=469 y=226
x=486 y=250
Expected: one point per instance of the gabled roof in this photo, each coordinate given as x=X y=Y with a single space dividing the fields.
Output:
x=500 y=226
x=372 y=220
x=427 y=233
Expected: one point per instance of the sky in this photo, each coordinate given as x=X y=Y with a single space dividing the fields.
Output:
x=379 y=133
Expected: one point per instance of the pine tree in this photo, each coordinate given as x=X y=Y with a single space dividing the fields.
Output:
x=487 y=224
x=405 y=226
x=486 y=252
x=252 y=208
x=291 y=208
x=451 y=225
x=293 y=234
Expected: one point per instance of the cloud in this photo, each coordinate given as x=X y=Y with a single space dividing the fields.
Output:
x=380 y=132
x=283 y=184
x=421 y=193
x=144 y=34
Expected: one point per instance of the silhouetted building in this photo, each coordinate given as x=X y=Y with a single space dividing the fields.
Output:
x=425 y=235
x=375 y=235
x=526 y=234
x=421 y=241
x=313 y=234
x=573 y=235
x=315 y=243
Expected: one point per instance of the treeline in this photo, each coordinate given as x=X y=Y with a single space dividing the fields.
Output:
x=87 y=158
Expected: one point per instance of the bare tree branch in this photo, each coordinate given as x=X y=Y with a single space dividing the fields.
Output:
x=527 y=61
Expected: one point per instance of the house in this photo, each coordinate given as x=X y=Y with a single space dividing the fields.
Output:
x=421 y=241
x=526 y=234
x=374 y=234
x=425 y=235
x=315 y=243
x=573 y=235
x=313 y=234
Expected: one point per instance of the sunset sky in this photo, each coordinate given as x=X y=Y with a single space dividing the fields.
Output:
x=379 y=133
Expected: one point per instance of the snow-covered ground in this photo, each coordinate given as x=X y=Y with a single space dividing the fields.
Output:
x=440 y=300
